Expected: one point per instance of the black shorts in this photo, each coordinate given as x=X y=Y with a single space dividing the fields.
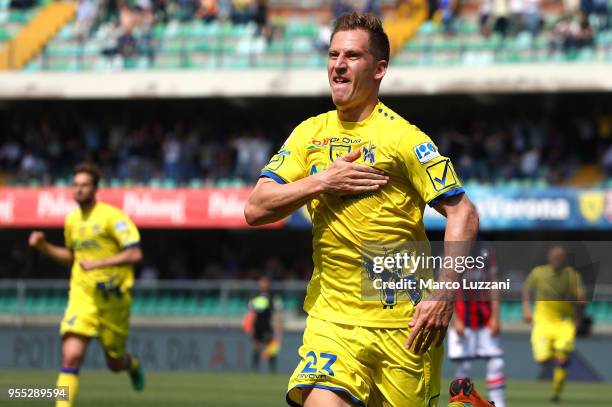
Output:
x=262 y=334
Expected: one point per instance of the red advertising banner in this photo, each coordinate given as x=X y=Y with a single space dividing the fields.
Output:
x=147 y=207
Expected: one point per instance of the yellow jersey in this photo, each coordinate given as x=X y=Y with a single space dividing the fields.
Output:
x=102 y=232
x=555 y=292
x=346 y=229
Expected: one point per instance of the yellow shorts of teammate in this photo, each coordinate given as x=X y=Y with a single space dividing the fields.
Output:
x=552 y=339
x=109 y=324
x=370 y=366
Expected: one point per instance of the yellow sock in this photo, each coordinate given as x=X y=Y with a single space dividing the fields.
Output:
x=68 y=378
x=134 y=364
x=559 y=377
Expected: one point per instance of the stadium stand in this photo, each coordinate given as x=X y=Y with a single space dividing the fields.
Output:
x=11 y=20
x=217 y=35
x=136 y=148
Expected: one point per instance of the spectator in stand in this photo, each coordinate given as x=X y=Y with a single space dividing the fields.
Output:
x=446 y=15
x=126 y=45
x=533 y=16
x=244 y=146
x=586 y=35
x=208 y=10
x=31 y=166
x=572 y=33
x=260 y=17
x=187 y=9
x=172 y=150
x=161 y=10
x=10 y=155
x=86 y=15
x=485 y=10
x=321 y=43
x=242 y=11
x=374 y=7
x=494 y=17
x=339 y=7
x=144 y=12
x=517 y=10
x=600 y=9
x=571 y=6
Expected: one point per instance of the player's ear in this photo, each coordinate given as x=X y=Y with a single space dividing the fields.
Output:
x=380 y=69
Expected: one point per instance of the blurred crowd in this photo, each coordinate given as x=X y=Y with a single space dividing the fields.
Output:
x=510 y=17
x=523 y=148
x=485 y=150
x=180 y=255
x=133 y=21
x=138 y=154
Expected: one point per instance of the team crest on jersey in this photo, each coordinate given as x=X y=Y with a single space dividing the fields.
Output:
x=338 y=150
x=441 y=175
x=426 y=152
x=368 y=154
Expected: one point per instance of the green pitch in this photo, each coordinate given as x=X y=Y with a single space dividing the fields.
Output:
x=101 y=389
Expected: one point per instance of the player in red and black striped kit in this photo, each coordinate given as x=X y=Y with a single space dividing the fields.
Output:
x=475 y=330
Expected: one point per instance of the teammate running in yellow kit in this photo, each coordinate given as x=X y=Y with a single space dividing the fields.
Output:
x=101 y=246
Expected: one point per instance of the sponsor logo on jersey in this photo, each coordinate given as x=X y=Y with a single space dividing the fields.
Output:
x=121 y=226
x=87 y=244
x=328 y=141
x=441 y=175
x=426 y=152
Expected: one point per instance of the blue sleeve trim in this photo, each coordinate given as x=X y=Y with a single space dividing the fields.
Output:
x=270 y=174
x=130 y=245
x=447 y=194
x=69 y=370
x=321 y=386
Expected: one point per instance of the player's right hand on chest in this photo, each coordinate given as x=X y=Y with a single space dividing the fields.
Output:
x=346 y=177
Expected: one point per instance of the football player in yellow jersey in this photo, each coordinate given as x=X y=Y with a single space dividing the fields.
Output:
x=558 y=289
x=365 y=175
x=101 y=246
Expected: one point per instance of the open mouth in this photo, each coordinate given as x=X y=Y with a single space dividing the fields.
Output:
x=340 y=80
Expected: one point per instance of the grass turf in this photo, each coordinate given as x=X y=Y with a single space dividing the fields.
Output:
x=101 y=389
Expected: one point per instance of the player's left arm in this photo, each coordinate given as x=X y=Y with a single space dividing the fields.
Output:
x=433 y=315
x=433 y=178
x=125 y=233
